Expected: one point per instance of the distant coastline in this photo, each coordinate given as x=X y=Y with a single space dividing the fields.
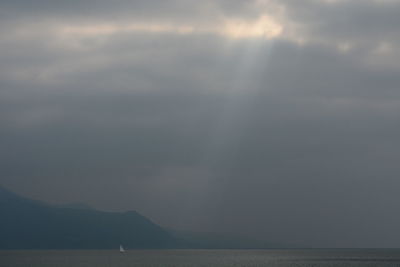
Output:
x=30 y=224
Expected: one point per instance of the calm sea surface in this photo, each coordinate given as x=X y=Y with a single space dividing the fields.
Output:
x=193 y=258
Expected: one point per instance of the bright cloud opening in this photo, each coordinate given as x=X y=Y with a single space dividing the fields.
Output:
x=265 y=27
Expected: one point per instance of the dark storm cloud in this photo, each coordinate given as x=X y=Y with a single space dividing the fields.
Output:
x=347 y=20
x=285 y=141
x=87 y=10
x=85 y=7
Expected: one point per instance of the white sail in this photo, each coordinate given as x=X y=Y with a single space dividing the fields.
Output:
x=121 y=249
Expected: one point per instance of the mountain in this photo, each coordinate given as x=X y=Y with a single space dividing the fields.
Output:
x=29 y=224
x=75 y=205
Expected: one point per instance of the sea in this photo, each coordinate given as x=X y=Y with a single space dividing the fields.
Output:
x=197 y=258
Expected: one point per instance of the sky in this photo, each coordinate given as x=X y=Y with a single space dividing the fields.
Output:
x=276 y=120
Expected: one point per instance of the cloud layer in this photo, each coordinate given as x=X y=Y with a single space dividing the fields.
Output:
x=273 y=119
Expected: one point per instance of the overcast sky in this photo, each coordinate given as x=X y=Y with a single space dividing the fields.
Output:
x=272 y=119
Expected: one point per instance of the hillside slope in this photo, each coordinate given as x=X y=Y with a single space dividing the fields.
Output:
x=28 y=224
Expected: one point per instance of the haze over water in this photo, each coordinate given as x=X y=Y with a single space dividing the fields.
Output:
x=201 y=258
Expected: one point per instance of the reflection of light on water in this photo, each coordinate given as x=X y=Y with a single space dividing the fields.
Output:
x=202 y=257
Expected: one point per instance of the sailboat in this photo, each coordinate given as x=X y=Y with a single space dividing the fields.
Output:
x=121 y=249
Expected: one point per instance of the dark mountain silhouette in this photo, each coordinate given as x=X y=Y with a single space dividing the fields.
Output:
x=31 y=224
x=75 y=205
